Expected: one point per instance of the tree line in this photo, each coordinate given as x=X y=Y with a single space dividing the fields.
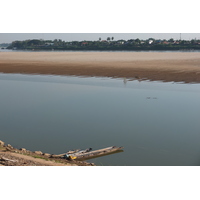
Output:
x=106 y=45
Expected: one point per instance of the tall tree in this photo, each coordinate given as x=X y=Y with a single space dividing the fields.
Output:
x=137 y=41
x=171 y=40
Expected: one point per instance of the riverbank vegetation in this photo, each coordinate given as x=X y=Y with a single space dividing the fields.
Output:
x=106 y=45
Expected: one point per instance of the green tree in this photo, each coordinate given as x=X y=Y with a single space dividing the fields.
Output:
x=171 y=40
x=34 y=42
x=193 y=41
x=137 y=41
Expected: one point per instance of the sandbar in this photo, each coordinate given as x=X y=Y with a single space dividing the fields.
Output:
x=155 y=66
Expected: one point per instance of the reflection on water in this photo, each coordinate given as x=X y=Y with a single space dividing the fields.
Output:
x=156 y=123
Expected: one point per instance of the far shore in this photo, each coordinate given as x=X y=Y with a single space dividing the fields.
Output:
x=156 y=66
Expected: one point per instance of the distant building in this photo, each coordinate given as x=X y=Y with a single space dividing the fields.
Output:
x=150 y=41
x=121 y=41
x=165 y=42
x=158 y=41
x=84 y=43
x=49 y=44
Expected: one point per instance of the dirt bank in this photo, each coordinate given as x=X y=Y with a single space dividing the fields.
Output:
x=10 y=156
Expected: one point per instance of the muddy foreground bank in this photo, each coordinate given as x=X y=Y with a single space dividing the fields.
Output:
x=10 y=156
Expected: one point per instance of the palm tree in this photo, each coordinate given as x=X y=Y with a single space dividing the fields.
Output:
x=108 y=38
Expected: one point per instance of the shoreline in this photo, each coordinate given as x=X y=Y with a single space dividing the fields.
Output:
x=10 y=156
x=155 y=66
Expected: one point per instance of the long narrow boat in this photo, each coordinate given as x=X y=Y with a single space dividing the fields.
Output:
x=88 y=154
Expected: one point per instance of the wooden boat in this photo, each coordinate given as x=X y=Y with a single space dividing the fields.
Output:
x=88 y=154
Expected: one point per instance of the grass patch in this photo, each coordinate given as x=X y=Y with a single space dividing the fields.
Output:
x=58 y=161
x=2 y=148
x=35 y=156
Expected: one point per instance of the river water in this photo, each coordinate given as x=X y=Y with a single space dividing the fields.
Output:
x=157 y=123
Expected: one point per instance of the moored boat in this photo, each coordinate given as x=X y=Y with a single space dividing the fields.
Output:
x=88 y=154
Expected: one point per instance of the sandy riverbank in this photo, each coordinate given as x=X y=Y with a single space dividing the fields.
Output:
x=165 y=66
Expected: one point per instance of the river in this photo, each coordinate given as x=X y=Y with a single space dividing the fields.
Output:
x=157 y=123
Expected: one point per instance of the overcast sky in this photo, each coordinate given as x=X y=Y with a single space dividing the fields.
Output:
x=9 y=37
x=80 y=20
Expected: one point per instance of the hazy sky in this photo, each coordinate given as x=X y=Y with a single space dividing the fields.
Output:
x=9 y=37
x=88 y=20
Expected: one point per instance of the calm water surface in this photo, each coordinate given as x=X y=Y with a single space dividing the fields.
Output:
x=157 y=123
